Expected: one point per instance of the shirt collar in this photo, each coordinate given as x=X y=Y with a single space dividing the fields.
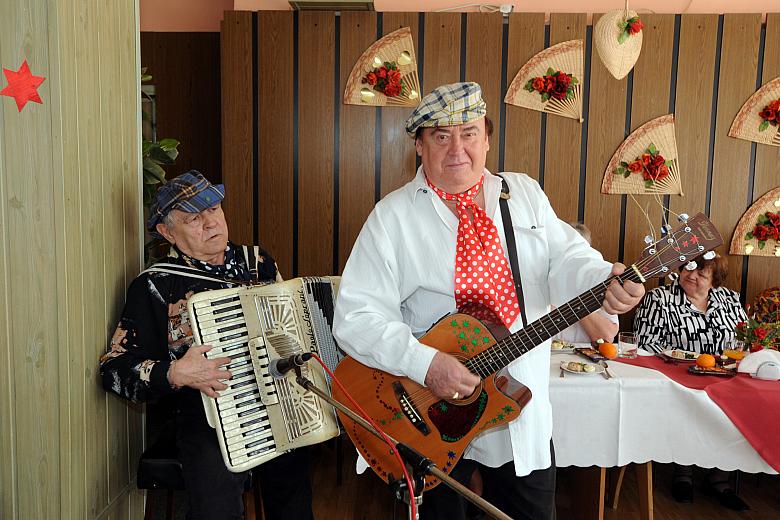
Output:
x=491 y=185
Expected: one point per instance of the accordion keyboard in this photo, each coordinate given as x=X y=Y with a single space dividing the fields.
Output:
x=258 y=418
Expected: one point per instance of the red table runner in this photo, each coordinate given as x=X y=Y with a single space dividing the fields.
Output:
x=753 y=405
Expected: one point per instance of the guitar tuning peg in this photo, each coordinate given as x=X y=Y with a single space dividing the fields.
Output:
x=690 y=266
x=683 y=217
x=673 y=276
x=709 y=255
x=665 y=229
x=649 y=239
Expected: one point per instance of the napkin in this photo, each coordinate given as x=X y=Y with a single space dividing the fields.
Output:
x=751 y=362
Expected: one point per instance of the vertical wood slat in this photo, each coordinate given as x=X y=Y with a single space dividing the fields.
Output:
x=764 y=272
x=316 y=48
x=356 y=139
x=69 y=295
x=92 y=226
x=483 y=65
x=397 y=148
x=692 y=115
x=564 y=135
x=28 y=210
x=442 y=50
x=738 y=65
x=523 y=126
x=606 y=123
x=113 y=231
x=650 y=99
x=275 y=140
x=237 y=115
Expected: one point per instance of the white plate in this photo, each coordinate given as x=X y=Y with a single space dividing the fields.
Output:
x=679 y=355
x=565 y=350
x=565 y=367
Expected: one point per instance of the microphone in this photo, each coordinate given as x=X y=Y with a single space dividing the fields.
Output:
x=280 y=366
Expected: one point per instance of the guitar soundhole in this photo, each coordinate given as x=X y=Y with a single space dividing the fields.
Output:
x=454 y=421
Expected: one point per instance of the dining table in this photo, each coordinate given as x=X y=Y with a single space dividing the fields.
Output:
x=641 y=415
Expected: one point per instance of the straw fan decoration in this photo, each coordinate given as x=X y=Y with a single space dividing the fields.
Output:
x=646 y=163
x=759 y=118
x=386 y=73
x=618 y=39
x=551 y=81
x=758 y=231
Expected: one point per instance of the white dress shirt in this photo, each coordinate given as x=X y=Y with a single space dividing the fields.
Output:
x=399 y=281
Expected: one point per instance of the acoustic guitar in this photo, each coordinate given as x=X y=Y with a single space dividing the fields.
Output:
x=441 y=429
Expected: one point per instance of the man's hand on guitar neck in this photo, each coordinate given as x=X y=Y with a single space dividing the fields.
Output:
x=448 y=378
x=622 y=298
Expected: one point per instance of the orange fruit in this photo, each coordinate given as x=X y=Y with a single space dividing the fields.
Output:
x=608 y=350
x=705 y=360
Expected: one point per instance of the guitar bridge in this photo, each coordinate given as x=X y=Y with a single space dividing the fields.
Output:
x=408 y=408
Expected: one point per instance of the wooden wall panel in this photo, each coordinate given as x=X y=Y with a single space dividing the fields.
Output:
x=606 y=124
x=316 y=48
x=564 y=135
x=185 y=70
x=324 y=123
x=483 y=64
x=397 y=148
x=65 y=255
x=442 y=50
x=650 y=99
x=523 y=126
x=237 y=115
x=275 y=141
x=739 y=57
x=356 y=140
x=692 y=115
x=764 y=272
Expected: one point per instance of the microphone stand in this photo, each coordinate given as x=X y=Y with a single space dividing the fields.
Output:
x=420 y=464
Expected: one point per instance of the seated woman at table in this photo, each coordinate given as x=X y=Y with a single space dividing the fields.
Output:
x=693 y=313
x=597 y=325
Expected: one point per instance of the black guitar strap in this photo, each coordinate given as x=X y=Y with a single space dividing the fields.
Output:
x=511 y=245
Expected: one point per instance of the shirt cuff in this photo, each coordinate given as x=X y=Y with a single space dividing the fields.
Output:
x=611 y=317
x=419 y=362
x=158 y=381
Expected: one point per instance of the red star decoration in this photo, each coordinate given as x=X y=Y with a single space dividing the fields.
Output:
x=22 y=86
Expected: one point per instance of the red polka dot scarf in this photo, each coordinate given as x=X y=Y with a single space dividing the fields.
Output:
x=482 y=274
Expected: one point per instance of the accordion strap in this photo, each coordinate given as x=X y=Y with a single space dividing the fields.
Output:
x=251 y=256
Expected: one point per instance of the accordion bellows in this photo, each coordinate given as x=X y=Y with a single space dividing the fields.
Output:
x=618 y=58
x=565 y=57
x=397 y=47
x=769 y=202
x=746 y=124
x=660 y=133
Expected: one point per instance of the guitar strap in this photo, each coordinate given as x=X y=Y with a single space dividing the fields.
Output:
x=511 y=245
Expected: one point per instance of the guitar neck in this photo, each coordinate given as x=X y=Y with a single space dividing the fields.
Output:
x=515 y=345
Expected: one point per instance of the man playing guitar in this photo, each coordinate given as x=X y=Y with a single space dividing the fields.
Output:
x=439 y=244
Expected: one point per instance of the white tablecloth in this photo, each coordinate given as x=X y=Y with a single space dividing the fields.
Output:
x=638 y=416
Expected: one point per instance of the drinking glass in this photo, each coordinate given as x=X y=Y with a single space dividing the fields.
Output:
x=735 y=349
x=627 y=345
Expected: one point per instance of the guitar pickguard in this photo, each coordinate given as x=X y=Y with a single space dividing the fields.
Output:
x=455 y=421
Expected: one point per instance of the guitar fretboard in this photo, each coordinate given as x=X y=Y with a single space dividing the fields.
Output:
x=515 y=345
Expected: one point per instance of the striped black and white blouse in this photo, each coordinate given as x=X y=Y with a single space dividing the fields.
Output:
x=667 y=319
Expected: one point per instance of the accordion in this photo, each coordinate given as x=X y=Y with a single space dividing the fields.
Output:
x=259 y=417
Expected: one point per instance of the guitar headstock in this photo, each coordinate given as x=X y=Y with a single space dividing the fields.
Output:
x=693 y=238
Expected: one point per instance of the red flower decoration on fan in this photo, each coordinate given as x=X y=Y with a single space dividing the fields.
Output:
x=386 y=79
x=770 y=115
x=767 y=228
x=555 y=84
x=650 y=164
